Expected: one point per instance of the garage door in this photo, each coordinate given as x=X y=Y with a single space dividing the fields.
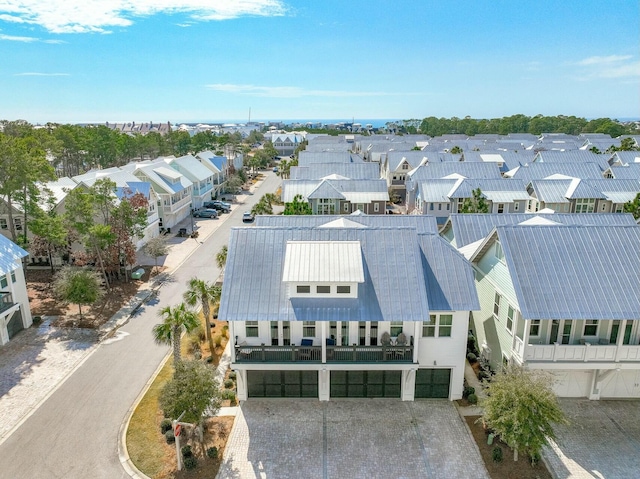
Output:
x=286 y=384
x=15 y=324
x=366 y=384
x=433 y=383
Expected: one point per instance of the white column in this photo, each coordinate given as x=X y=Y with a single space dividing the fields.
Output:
x=323 y=339
x=620 y=338
x=232 y=340
x=324 y=382
x=408 y=385
x=241 y=384
x=417 y=333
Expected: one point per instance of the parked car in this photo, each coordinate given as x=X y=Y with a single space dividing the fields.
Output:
x=205 y=213
x=275 y=169
x=248 y=217
x=218 y=206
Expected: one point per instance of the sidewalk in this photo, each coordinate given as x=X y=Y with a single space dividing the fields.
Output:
x=39 y=359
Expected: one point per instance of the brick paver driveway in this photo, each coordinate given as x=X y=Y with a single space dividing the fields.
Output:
x=350 y=438
x=602 y=441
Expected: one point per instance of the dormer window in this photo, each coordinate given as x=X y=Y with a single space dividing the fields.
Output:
x=343 y=289
x=323 y=289
x=303 y=289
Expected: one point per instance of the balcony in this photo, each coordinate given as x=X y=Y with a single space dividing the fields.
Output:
x=6 y=301
x=334 y=354
x=580 y=353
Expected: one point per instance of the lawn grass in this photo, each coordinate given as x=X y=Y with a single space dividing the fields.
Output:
x=144 y=441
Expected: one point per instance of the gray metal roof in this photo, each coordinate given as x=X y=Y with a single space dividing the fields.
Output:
x=515 y=188
x=436 y=191
x=574 y=272
x=572 y=156
x=468 y=170
x=394 y=286
x=450 y=282
x=469 y=228
x=373 y=190
x=306 y=158
x=538 y=171
x=10 y=255
x=422 y=223
x=551 y=191
x=629 y=172
x=356 y=171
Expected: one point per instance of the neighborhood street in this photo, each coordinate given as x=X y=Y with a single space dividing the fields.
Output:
x=74 y=433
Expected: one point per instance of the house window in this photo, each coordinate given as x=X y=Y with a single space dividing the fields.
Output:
x=496 y=306
x=430 y=206
x=405 y=166
x=444 y=330
x=500 y=207
x=429 y=328
x=396 y=328
x=323 y=289
x=516 y=206
x=309 y=329
x=326 y=206
x=18 y=223
x=343 y=289
x=376 y=207
x=13 y=276
x=439 y=206
x=303 y=289
x=585 y=205
x=534 y=329
x=590 y=327
x=346 y=207
x=251 y=329
x=3 y=223
x=510 y=319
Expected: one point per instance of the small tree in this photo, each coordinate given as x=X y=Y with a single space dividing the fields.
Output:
x=297 y=207
x=174 y=320
x=194 y=391
x=77 y=286
x=521 y=408
x=262 y=207
x=456 y=150
x=156 y=247
x=633 y=207
x=476 y=204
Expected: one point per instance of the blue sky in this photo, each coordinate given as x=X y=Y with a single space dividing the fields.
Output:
x=206 y=60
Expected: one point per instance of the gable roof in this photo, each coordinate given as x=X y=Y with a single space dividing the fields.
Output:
x=421 y=223
x=574 y=272
x=10 y=255
x=356 y=171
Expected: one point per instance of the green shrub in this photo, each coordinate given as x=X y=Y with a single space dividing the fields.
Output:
x=199 y=333
x=472 y=358
x=194 y=344
x=232 y=375
x=472 y=398
x=228 y=383
x=467 y=391
x=190 y=463
x=170 y=438
x=482 y=375
x=229 y=394
x=212 y=452
x=165 y=425
x=37 y=319
x=535 y=458
x=186 y=451
x=217 y=341
x=496 y=454
x=197 y=354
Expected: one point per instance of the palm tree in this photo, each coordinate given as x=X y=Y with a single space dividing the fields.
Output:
x=204 y=293
x=221 y=257
x=173 y=321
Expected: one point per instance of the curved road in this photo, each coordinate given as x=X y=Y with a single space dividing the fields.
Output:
x=74 y=433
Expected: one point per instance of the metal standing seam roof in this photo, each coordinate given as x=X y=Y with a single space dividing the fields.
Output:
x=315 y=171
x=468 y=170
x=421 y=223
x=10 y=255
x=574 y=272
x=435 y=191
x=469 y=228
x=393 y=289
x=192 y=168
x=551 y=191
x=323 y=261
x=538 y=171
x=449 y=277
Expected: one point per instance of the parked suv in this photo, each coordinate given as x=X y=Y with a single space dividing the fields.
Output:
x=218 y=205
x=205 y=213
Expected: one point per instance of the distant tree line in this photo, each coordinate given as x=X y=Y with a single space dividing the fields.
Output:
x=536 y=125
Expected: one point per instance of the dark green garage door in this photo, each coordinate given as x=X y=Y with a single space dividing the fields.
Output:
x=365 y=384
x=432 y=383
x=282 y=384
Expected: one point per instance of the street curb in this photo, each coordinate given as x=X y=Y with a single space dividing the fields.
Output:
x=123 y=453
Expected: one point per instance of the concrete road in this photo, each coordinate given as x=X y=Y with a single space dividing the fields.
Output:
x=74 y=433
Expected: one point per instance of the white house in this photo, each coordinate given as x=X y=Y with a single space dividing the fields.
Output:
x=201 y=177
x=15 y=314
x=355 y=306
x=564 y=299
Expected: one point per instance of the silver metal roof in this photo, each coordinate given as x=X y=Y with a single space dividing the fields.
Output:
x=323 y=261
x=574 y=272
x=315 y=171
x=10 y=255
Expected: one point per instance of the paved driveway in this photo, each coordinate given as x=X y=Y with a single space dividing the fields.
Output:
x=357 y=438
x=602 y=441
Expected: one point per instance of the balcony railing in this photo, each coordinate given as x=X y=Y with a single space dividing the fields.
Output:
x=6 y=301
x=582 y=352
x=334 y=354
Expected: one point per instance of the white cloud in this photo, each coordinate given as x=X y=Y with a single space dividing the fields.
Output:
x=81 y=16
x=293 y=91
x=604 y=60
x=13 y=38
x=612 y=66
x=38 y=74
